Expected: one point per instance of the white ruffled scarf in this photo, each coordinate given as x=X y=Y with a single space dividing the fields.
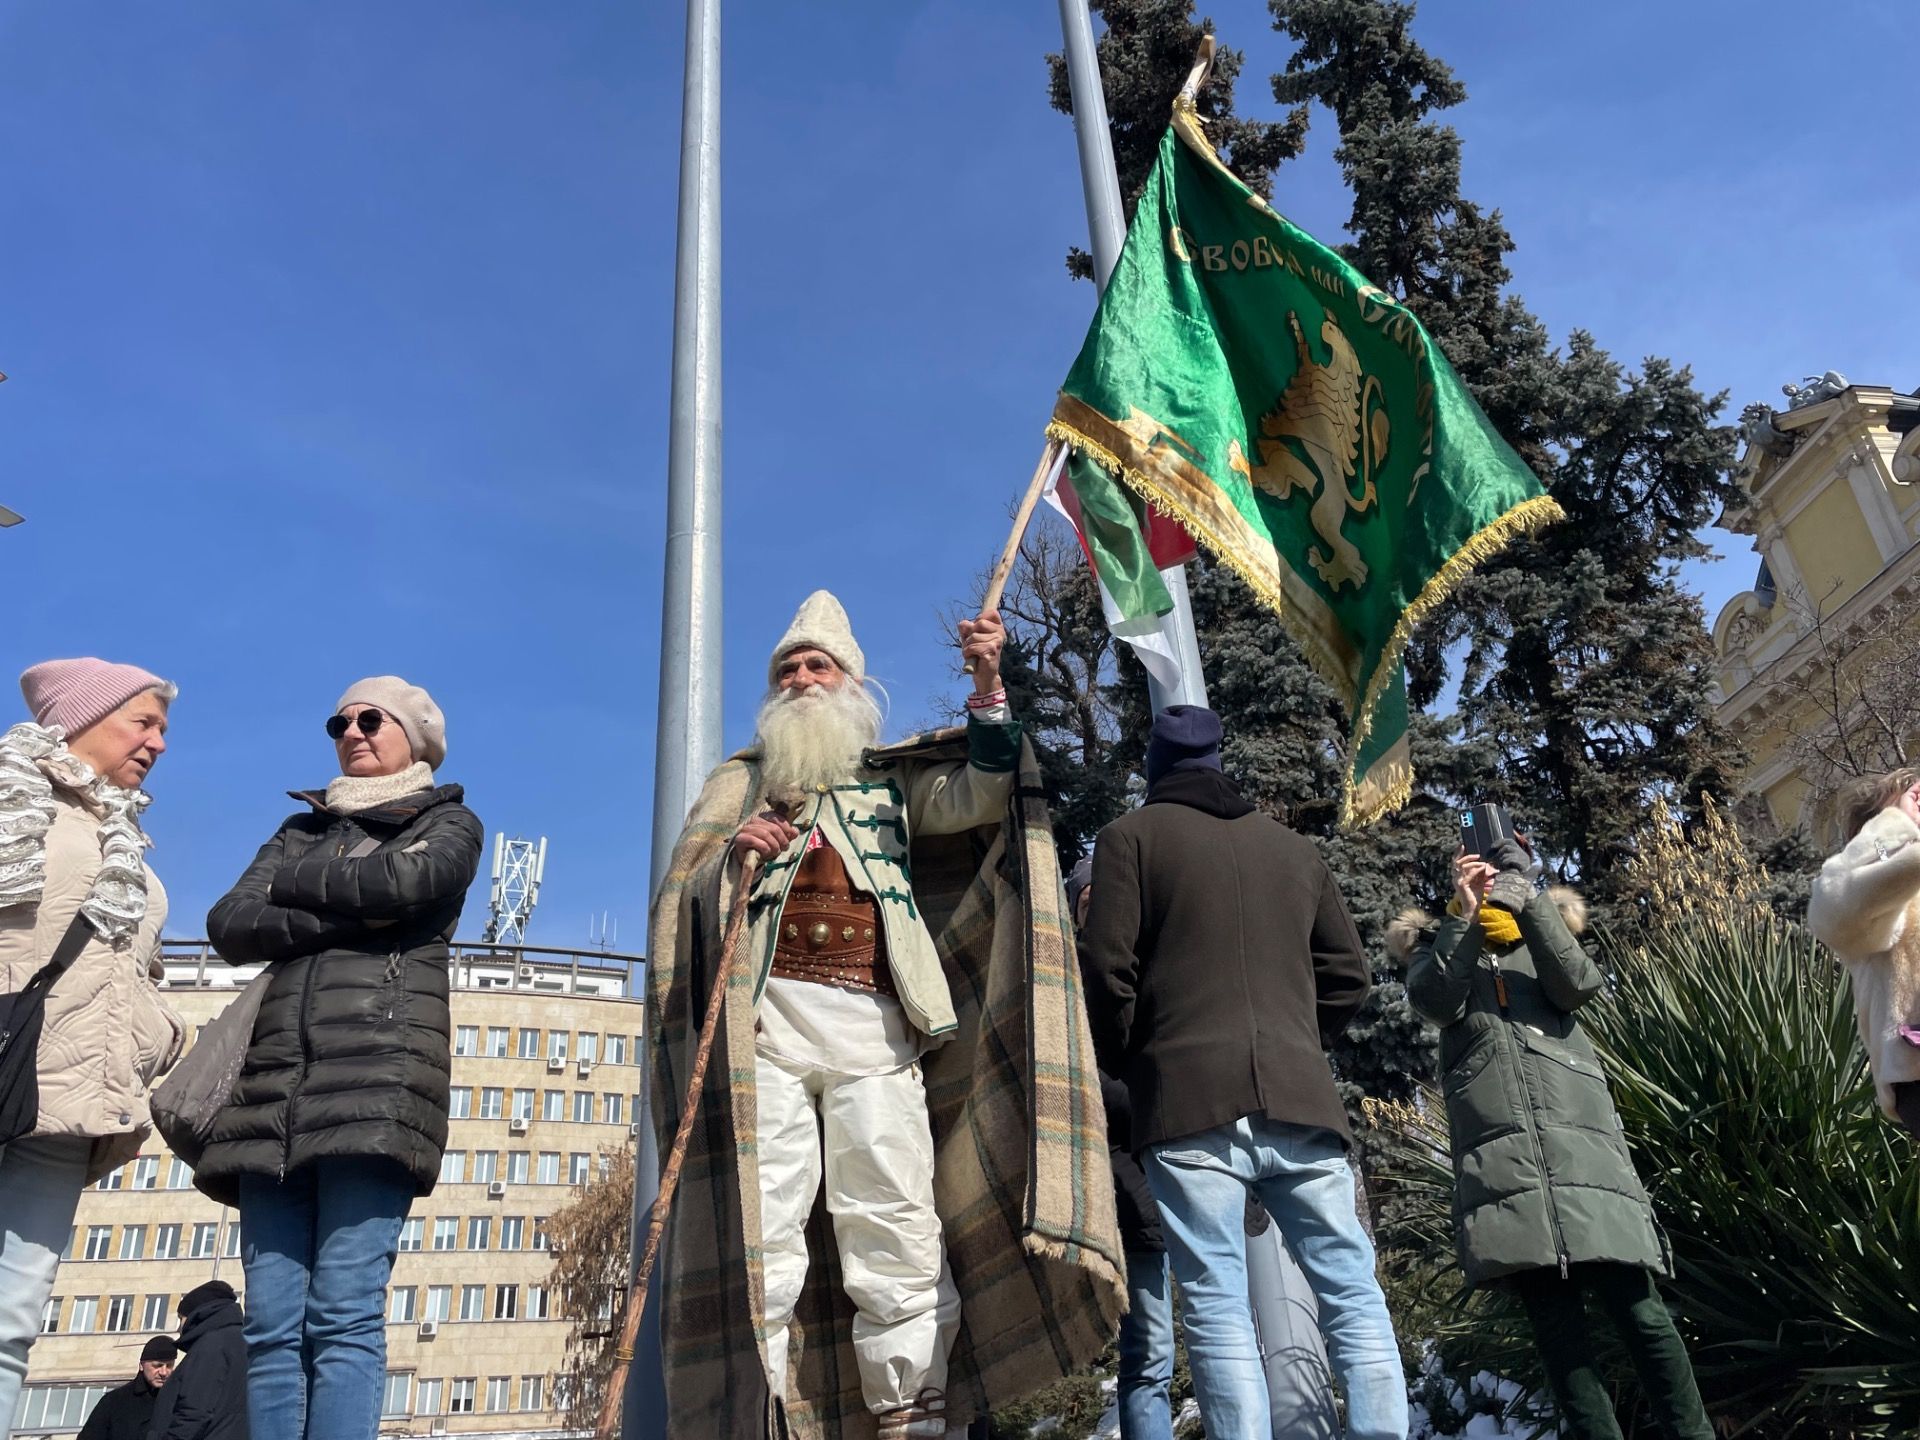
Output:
x=350 y=794
x=34 y=759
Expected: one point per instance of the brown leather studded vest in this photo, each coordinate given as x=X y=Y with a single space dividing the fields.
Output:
x=830 y=932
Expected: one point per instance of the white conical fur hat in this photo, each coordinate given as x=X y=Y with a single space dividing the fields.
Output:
x=820 y=624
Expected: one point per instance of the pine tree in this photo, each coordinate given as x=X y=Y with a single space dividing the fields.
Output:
x=1585 y=665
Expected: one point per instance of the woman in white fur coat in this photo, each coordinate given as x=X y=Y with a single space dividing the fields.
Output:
x=1866 y=907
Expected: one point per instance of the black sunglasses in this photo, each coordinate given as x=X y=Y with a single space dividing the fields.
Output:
x=369 y=722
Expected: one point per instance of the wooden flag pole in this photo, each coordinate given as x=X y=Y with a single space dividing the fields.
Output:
x=1023 y=517
x=614 y=1400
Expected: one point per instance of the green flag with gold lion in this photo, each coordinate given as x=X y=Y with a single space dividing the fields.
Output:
x=1301 y=423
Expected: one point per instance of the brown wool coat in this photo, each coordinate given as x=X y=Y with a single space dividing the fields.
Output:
x=107 y=1034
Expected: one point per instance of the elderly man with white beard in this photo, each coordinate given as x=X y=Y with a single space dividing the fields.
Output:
x=849 y=993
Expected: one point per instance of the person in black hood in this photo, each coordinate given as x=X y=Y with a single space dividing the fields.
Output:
x=206 y=1396
x=124 y=1414
x=1220 y=963
x=338 y=1119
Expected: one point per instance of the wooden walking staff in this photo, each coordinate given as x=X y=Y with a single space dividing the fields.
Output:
x=614 y=1401
x=1023 y=517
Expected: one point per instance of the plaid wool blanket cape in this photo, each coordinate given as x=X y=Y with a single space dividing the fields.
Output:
x=1021 y=1180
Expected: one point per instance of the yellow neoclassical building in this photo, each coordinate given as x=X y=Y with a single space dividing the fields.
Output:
x=1830 y=494
x=545 y=1085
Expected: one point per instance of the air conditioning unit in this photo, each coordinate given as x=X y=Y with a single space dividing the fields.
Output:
x=496 y=1189
x=585 y=1068
x=429 y=1329
x=526 y=972
x=517 y=1125
x=555 y=1065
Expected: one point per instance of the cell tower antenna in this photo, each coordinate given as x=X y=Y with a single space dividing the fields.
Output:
x=518 y=868
x=608 y=938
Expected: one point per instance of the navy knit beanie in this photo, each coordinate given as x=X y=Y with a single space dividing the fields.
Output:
x=202 y=1296
x=1184 y=737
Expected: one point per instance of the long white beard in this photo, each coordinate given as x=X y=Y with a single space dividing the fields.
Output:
x=814 y=737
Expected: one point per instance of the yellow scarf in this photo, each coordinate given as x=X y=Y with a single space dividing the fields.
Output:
x=1499 y=926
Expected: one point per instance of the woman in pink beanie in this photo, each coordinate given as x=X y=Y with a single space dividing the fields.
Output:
x=73 y=870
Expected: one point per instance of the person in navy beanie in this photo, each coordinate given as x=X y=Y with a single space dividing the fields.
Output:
x=1220 y=963
x=206 y=1396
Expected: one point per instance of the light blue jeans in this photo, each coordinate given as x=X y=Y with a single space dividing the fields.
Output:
x=1145 y=1385
x=318 y=1250
x=1300 y=1174
x=40 y=1185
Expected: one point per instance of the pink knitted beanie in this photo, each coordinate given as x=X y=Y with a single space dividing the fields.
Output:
x=75 y=694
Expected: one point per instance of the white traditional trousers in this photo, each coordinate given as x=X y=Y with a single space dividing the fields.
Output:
x=878 y=1171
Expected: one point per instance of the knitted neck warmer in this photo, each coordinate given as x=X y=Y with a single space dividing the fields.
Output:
x=1499 y=926
x=350 y=794
x=34 y=759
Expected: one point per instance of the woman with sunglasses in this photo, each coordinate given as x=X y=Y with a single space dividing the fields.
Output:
x=340 y=1113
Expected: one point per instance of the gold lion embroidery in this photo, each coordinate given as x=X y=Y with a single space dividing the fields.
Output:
x=1337 y=417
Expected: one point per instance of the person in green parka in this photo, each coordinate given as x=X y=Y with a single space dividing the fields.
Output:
x=1546 y=1201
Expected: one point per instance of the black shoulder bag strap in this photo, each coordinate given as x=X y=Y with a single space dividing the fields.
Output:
x=33 y=995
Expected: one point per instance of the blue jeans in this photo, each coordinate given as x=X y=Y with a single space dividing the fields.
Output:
x=1300 y=1174
x=1145 y=1385
x=40 y=1184
x=318 y=1249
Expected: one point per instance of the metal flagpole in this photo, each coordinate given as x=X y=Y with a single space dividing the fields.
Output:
x=687 y=745
x=1107 y=227
x=1277 y=1289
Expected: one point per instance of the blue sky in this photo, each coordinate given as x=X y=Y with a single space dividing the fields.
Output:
x=339 y=337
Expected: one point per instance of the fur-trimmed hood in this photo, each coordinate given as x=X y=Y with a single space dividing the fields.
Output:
x=1412 y=925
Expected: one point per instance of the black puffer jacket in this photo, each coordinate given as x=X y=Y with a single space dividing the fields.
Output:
x=350 y=1053
x=206 y=1396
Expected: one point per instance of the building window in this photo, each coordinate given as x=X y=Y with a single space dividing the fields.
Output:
x=205 y=1235
x=453 y=1166
x=113 y=1179
x=519 y=1165
x=530 y=1388
x=440 y=1303
x=486 y=1166
x=119 y=1314
x=166 y=1243
x=583 y=1107
x=146 y=1172
x=557 y=1045
x=513 y=1229
x=460 y=1397
x=529 y=1044
x=133 y=1242
x=86 y=1309
x=179 y=1174
x=427 y=1397
x=410 y=1232
x=402 y=1304
x=553 y=1105
x=496 y=1042
x=232 y=1251
x=616 y=1049
x=50 y=1316
x=473 y=1302
x=73 y=1238
x=539 y=1232
x=446 y=1232
x=479 y=1232
x=460 y=1103
x=539 y=1306
x=155 y=1316
x=506 y=1302
x=492 y=1102
x=578 y=1168
x=611 y=1106
x=399 y=1395
x=466 y=1039
x=589 y=1046
x=549 y=1167
x=99 y=1241
x=523 y=1104
x=500 y=1392
x=57 y=1407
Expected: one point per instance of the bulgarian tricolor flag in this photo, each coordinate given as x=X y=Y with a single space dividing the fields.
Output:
x=1127 y=544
